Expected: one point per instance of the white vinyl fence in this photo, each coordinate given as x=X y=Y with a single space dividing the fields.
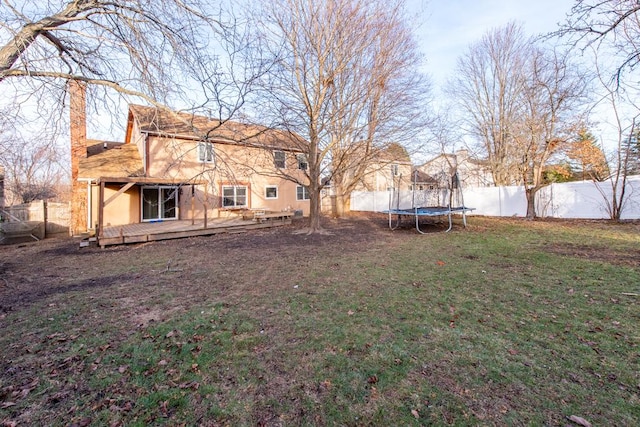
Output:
x=584 y=199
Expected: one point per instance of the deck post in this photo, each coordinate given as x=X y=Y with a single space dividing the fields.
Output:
x=101 y=210
x=204 y=204
x=193 y=204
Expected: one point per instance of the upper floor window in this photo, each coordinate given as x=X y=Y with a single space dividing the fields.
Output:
x=302 y=161
x=205 y=152
x=394 y=170
x=279 y=159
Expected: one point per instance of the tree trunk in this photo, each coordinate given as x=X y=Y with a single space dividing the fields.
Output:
x=531 y=202
x=314 y=210
x=342 y=204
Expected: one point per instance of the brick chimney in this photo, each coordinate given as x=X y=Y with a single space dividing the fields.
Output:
x=78 y=132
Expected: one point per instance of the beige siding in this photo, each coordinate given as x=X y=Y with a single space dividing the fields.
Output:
x=380 y=177
x=177 y=159
x=124 y=209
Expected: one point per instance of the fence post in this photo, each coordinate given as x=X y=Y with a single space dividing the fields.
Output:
x=45 y=216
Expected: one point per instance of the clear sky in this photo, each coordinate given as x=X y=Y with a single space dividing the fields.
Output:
x=450 y=26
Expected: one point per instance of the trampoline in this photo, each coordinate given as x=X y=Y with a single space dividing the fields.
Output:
x=428 y=211
x=453 y=195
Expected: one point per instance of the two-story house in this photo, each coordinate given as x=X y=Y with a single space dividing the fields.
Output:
x=179 y=166
x=471 y=172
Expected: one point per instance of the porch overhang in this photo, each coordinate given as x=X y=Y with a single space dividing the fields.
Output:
x=145 y=180
x=128 y=182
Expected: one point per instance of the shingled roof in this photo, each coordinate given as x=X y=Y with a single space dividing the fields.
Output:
x=188 y=126
x=115 y=160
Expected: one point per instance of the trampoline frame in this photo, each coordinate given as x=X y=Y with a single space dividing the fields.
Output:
x=417 y=212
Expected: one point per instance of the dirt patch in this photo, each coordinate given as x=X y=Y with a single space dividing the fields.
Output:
x=31 y=272
x=600 y=254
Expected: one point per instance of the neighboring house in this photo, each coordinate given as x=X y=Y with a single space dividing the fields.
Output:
x=391 y=169
x=178 y=166
x=471 y=172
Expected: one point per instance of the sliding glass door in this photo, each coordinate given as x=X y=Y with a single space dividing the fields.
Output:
x=159 y=202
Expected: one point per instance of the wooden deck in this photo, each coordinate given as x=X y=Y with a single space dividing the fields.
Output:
x=177 y=229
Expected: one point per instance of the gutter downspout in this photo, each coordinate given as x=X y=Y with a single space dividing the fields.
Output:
x=145 y=153
x=89 y=182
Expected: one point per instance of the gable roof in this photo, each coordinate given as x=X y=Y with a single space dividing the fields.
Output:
x=169 y=124
x=394 y=152
x=418 y=176
x=116 y=160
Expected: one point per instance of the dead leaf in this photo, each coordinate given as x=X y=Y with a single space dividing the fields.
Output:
x=374 y=392
x=6 y=405
x=579 y=420
x=440 y=263
x=123 y=369
x=163 y=408
x=512 y=351
x=194 y=385
x=163 y=363
x=350 y=312
x=373 y=379
x=415 y=413
x=27 y=389
x=173 y=333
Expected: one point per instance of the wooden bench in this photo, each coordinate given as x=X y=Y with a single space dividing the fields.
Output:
x=273 y=216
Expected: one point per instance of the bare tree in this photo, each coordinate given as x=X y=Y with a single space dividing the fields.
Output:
x=489 y=82
x=611 y=29
x=520 y=99
x=33 y=165
x=619 y=100
x=611 y=25
x=346 y=81
x=134 y=47
x=34 y=173
x=552 y=93
x=167 y=53
x=380 y=103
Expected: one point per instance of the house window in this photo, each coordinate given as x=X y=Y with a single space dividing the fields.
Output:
x=394 y=170
x=205 y=152
x=302 y=192
x=234 y=196
x=279 y=159
x=159 y=203
x=271 y=192
x=302 y=161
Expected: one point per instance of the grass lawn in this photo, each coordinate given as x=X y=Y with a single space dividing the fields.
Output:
x=508 y=322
